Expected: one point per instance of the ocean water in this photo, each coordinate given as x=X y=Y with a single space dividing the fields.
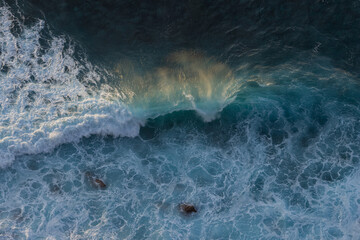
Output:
x=249 y=110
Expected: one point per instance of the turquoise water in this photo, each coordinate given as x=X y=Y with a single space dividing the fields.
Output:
x=259 y=131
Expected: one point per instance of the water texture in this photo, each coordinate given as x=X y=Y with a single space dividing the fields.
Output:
x=249 y=110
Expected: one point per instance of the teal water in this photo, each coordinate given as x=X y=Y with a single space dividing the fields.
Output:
x=254 y=122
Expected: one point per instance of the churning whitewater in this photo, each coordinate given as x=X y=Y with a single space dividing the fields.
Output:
x=48 y=97
x=179 y=121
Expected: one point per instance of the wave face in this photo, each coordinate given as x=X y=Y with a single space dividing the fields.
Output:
x=255 y=122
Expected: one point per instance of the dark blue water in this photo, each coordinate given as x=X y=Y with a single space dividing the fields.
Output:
x=248 y=110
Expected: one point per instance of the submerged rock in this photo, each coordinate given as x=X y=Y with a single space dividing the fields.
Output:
x=94 y=181
x=100 y=183
x=54 y=188
x=187 y=208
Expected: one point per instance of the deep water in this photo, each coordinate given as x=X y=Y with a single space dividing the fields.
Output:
x=249 y=110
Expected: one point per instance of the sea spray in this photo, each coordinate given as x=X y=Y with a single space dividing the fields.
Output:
x=186 y=80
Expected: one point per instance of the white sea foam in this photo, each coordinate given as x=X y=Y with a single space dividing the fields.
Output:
x=46 y=97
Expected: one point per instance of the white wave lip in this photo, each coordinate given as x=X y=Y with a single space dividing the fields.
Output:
x=46 y=97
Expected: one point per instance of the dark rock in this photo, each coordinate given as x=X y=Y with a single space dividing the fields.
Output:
x=187 y=208
x=94 y=181
x=100 y=183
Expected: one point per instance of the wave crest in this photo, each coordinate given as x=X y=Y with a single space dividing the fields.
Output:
x=188 y=80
